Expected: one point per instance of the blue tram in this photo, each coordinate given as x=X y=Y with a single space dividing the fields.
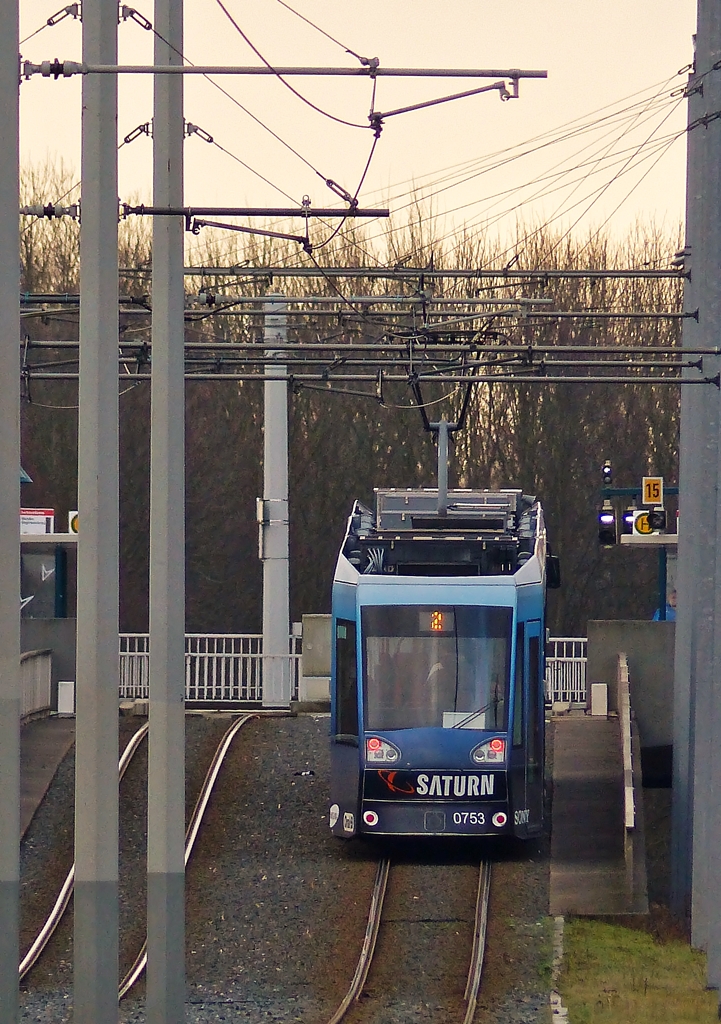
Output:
x=437 y=702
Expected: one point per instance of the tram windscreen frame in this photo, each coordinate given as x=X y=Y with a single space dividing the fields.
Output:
x=436 y=666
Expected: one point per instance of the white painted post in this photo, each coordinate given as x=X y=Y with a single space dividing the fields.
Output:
x=96 y=747
x=9 y=516
x=166 y=765
x=276 y=599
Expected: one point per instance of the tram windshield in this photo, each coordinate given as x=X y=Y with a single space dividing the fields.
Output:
x=436 y=666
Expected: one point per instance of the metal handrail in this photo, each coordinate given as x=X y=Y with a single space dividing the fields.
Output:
x=624 y=710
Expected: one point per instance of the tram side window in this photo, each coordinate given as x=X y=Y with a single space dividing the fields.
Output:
x=518 y=690
x=346 y=678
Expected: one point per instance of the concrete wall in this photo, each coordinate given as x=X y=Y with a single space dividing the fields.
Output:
x=650 y=650
x=59 y=636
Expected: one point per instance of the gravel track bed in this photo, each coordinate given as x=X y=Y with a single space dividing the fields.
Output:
x=46 y=855
x=277 y=907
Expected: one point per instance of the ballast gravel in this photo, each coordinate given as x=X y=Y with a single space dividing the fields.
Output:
x=277 y=907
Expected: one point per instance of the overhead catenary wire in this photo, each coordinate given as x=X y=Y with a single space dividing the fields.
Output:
x=617 y=175
x=565 y=132
x=490 y=163
x=280 y=77
x=240 y=106
x=663 y=104
x=366 y=61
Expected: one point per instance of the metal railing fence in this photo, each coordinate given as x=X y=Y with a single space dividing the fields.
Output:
x=566 y=659
x=228 y=667
x=219 y=667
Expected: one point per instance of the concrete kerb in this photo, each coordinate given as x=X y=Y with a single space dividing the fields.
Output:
x=558 y=1010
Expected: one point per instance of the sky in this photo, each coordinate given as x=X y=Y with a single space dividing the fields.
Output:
x=600 y=143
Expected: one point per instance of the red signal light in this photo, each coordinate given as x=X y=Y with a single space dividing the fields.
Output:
x=497 y=745
x=374 y=743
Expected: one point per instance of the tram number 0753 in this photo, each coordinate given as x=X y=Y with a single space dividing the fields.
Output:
x=469 y=818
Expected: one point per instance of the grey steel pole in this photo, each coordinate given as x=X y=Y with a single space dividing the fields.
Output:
x=166 y=765
x=9 y=518
x=96 y=748
x=276 y=599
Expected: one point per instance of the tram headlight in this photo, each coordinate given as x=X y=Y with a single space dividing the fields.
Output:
x=489 y=752
x=380 y=751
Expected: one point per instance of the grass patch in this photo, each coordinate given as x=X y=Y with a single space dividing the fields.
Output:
x=617 y=975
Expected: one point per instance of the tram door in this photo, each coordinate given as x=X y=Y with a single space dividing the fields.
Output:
x=345 y=766
x=534 y=724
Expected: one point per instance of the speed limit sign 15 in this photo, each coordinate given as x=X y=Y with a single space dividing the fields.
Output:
x=652 y=490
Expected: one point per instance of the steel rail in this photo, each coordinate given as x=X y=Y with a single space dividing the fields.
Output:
x=191 y=834
x=33 y=954
x=369 y=941
x=479 y=941
x=372 y=928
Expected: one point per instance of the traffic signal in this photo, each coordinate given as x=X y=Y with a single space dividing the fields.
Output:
x=627 y=520
x=607 y=524
x=607 y=473
x=657 y=519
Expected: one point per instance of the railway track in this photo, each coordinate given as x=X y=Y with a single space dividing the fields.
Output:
x=61 y=904
x=373 y=927
x=191 y=834
x=66 y=891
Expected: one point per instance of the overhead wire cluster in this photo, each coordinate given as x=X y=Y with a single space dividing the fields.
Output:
x=426 y=344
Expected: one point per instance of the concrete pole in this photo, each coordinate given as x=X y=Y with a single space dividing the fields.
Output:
x=166 y=765
x=442 y=467
x=96 y=747
x=276 y=599
x=708 y=762
x=9 y=517
x=704 y=443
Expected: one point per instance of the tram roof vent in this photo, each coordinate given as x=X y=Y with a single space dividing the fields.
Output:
x=400 y=510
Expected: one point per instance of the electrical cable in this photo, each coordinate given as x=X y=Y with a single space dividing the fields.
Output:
x=616 y=177
x=630 y=192
x=551 y=138
x=568 y=130
x=546 y=192
x=486 y=166
x=240 y=106
x=662 y=143
x=548 y=221
x=299 y=95
x=363 y=60
x=290 y=260
x=354 y=200
x=633 y=122
x=70 y=11
x=253 y=171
